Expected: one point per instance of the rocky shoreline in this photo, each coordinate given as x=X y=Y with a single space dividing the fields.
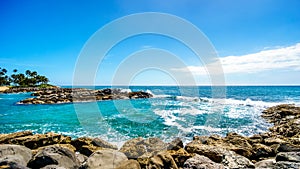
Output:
x=278 y=148
x=56 y=95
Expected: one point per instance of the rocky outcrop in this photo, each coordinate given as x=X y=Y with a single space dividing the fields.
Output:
x=276 y=149
x=40 y=140
x=68 y=95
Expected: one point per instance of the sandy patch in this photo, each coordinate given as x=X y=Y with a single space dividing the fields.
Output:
x=3 y=88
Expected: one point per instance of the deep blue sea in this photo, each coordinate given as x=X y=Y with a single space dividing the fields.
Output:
x=172 y=112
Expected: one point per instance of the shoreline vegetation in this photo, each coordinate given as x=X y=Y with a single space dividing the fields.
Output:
x=278 y=148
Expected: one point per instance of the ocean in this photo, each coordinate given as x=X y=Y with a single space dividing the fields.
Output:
x=170 y=113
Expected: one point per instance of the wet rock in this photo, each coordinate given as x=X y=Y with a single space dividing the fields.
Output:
x=15 y=156
x=288 y=156
x=162 y=160
x=107 y=159
x=199 y=162
x=54 y=155
x=130 y=164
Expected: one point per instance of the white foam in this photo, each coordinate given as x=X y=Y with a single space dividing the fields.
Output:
x=208 y=128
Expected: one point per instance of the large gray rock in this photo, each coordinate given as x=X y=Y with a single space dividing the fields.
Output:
x=288 y=156
x=54 y=155
x=201 y=162
x=105 y=159
x=233 y=160
x=14 y=155
x=220 y=155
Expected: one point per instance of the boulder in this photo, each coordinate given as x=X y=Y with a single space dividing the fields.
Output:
x=162 y=160
x=130 y=164
x=199 y=162
x=105 y=159
x=54 y=155
x=14 y=155
x=220 y=155
x=137 y=147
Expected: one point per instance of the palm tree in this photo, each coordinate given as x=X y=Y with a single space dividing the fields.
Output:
x=28 y=72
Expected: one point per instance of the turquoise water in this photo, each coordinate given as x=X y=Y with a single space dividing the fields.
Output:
x=174 y=111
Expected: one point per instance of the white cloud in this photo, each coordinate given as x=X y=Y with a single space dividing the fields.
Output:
x=285 y=58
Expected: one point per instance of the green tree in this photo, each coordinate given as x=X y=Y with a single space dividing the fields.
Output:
x=4 y=79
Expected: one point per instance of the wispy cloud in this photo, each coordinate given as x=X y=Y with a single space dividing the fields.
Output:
x=285 y=58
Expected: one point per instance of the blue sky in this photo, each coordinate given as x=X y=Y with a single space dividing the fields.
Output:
x=257 y=41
